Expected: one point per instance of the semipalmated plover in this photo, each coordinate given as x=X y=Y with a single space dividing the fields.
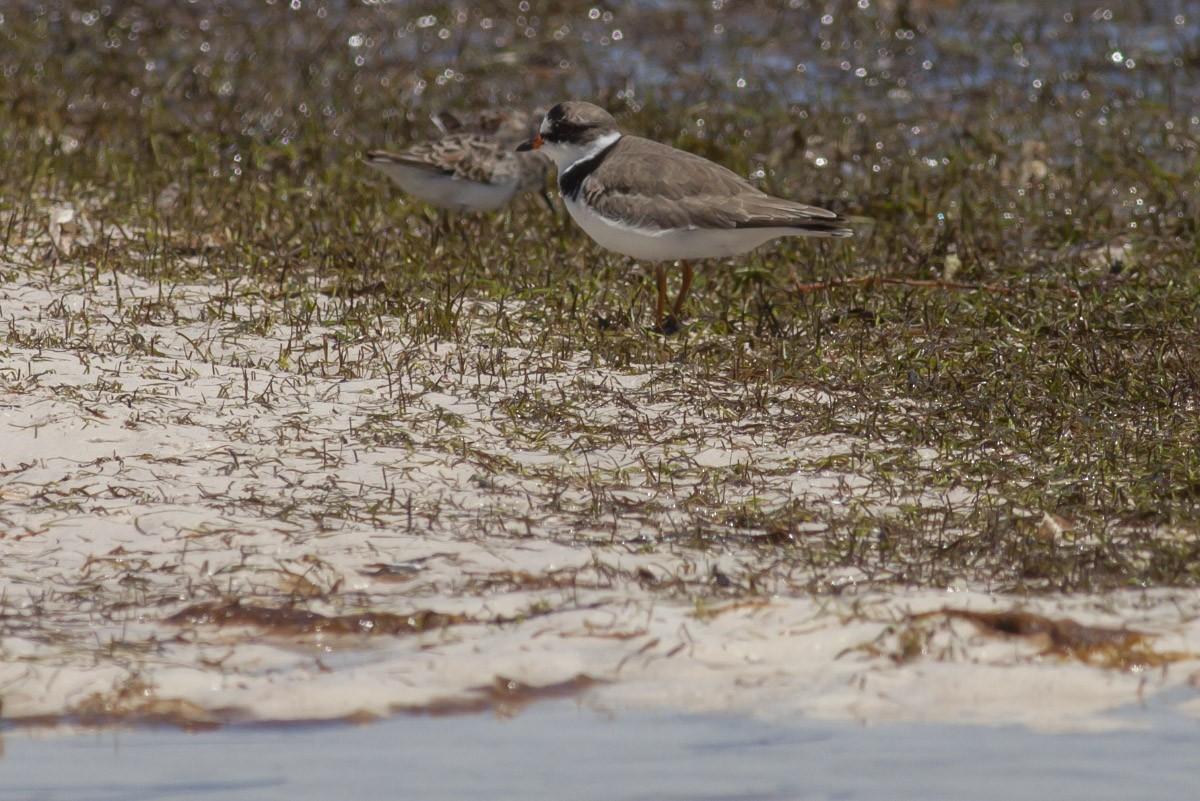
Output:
x=463 y=172
x=655 y=203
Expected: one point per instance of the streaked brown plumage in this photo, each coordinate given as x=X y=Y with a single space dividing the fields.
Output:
x=464 y=172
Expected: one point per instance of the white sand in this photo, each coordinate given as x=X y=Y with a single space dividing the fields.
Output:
x=197 y=458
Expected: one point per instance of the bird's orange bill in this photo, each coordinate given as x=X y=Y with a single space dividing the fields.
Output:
x=532 y=144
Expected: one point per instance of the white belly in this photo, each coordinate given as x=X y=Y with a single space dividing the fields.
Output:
x=647 y=244
x=456 y=194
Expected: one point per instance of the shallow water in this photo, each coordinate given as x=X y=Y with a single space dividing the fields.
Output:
x=560 y=750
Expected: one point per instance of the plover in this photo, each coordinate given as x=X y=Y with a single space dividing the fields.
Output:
x=655 y=203
x=463 y=172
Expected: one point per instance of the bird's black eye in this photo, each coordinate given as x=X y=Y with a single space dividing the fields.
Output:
x=562 y=130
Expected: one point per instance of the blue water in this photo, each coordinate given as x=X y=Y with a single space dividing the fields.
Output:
x=561 y=751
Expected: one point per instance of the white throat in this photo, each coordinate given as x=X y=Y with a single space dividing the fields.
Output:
x=565 y=155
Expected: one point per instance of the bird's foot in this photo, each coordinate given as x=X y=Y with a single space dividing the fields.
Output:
x=669 y=326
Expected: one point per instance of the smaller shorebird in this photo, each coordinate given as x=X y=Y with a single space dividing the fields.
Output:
x=655 y=203
x=463 y=172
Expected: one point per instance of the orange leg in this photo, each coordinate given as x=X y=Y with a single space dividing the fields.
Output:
x=684 y=287
x=660 y=308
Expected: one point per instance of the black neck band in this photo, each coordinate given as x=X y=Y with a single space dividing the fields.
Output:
x=570 y=180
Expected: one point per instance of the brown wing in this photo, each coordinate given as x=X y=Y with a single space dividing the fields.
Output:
x=466 y=156
x=508 y=126
x=688 y=189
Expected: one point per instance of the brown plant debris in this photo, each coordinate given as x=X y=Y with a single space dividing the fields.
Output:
x=136 y=702
x=300 y=621
x=1103 y=646
x=506 y=697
